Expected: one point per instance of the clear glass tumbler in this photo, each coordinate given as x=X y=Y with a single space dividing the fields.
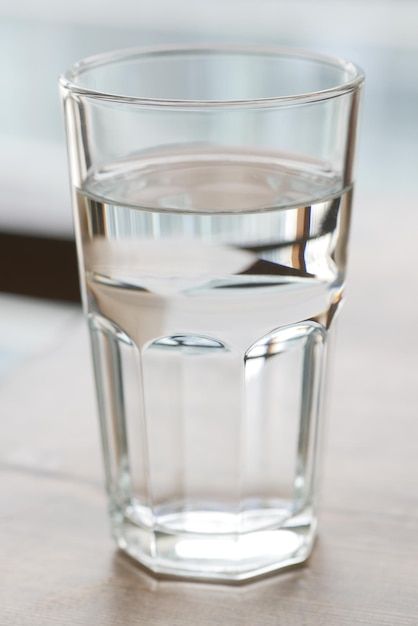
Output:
x=212 y=195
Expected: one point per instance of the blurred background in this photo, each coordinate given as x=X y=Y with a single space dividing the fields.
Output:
x=40 y=40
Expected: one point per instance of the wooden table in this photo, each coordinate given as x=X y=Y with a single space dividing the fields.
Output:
x=57 y=563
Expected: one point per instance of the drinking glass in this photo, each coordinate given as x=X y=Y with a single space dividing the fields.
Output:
x=212 y=193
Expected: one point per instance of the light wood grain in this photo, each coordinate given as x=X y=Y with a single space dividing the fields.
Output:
x=57 y=562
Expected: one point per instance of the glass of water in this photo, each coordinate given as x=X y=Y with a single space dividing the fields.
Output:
x=212 y=195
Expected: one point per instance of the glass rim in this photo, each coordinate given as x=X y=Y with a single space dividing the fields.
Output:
x=68 y=80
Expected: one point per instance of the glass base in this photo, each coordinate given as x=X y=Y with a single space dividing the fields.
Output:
x=224 y=557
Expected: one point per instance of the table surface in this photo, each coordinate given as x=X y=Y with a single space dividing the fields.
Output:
x=57 y=562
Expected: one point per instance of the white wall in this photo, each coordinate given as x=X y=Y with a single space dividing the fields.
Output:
x=392 y=22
